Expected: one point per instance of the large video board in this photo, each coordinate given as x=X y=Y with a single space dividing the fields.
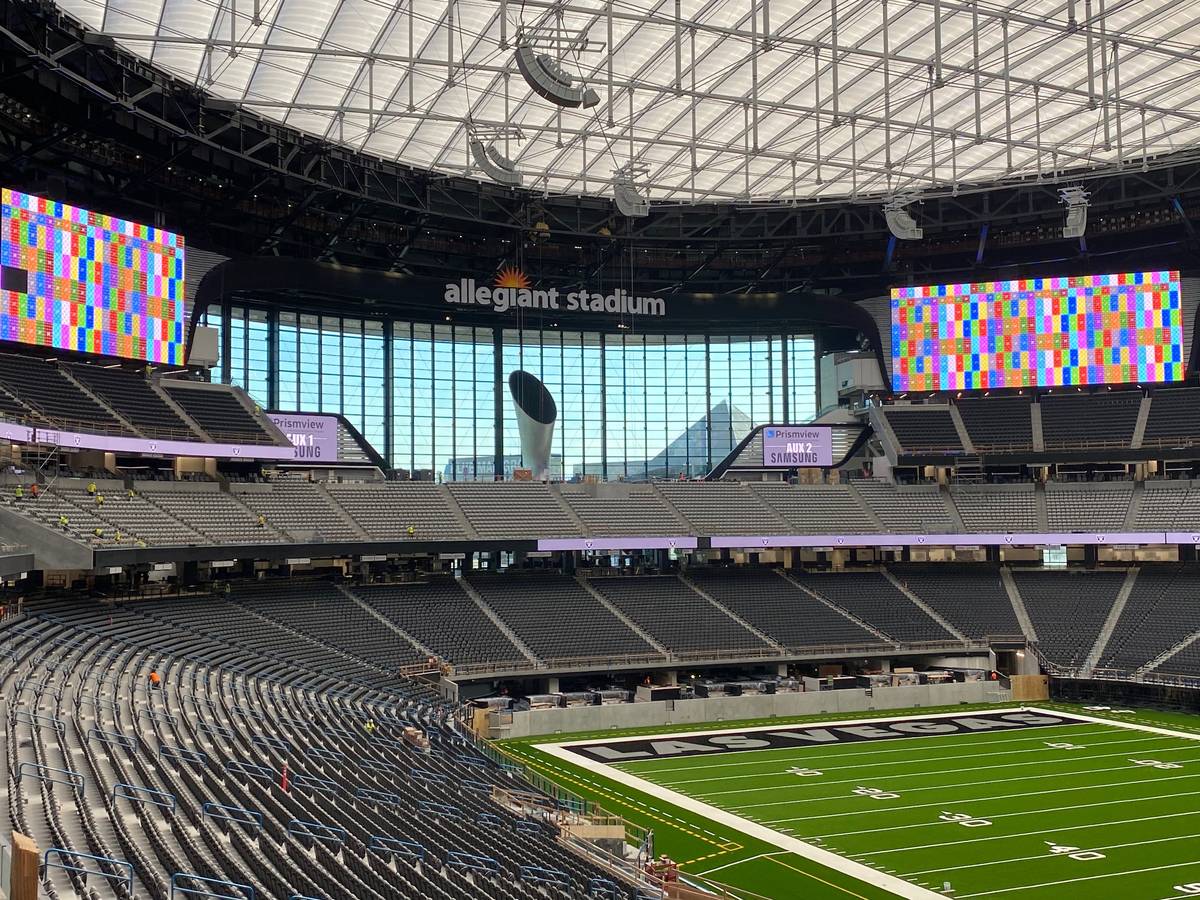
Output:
x=79 y=280
x=1043 y=332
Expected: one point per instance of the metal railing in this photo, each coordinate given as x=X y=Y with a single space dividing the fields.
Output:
x=560 y=663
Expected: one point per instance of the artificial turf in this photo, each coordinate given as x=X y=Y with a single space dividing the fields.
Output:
x=1133 y=828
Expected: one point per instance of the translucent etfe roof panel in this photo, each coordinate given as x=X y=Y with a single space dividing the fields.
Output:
x=710 y=99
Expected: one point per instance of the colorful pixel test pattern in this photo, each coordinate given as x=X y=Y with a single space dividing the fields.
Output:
x=79 y=280
x=1041 y=332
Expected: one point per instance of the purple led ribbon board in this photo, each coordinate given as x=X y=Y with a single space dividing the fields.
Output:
x=314 y=437
x=797 y=446
x=618 y=543
x=997 y=539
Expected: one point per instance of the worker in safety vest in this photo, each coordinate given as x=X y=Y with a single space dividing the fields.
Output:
x=91 y=488
x=155 y=680
x=20 y=492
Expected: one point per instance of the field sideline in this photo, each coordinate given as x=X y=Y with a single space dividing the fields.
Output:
x=1039 y=806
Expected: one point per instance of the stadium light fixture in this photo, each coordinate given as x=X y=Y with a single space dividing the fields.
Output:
x=1076 y=199
x=899 y=221
x=549 y=80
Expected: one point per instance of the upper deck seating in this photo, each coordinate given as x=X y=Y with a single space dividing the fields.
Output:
x=43 y=387
x=997 y=424
x=1174 y=417
x=217 y=410
x=922 y=429
x=1072 y=420
x=134 y=397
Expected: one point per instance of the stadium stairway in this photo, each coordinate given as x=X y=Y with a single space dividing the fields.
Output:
x=922 y=605
x=1114 y=615
x=616 y=611
x=761 y=635
x=383 y=620
x=87 y=391
x=470 y=591
x=1018 y=605
x=1035 y=425
x=1164 y=659
x=862 y=623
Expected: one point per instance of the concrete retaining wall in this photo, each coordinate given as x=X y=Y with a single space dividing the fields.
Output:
x=760 y=706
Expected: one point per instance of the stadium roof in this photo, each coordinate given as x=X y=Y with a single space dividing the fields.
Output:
x=721 y=100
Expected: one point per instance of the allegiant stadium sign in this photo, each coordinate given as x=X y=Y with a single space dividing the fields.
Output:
x=512 y=291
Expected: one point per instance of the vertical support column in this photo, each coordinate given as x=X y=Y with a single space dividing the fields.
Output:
x=786 y=343
x=498 y=401
x=708 y=429
x=389 y=393
x=817 y=350
x=273 y=358
x=603 y=409
x=226 y=373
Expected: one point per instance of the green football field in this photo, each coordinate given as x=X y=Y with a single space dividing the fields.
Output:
x=1008 y=804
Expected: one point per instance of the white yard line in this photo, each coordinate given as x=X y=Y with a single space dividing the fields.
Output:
x=1040 y=856
x=858 y=870
x=1032 y=887
x=812 y=782
x=991 y=815
x=765 y=755
x=976 y=800
x=1006 y=837
x=908 y=762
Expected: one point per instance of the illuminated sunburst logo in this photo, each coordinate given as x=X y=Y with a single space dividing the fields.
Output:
x=511 y=277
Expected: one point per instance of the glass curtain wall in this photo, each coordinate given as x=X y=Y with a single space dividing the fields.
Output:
x=630 y=406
